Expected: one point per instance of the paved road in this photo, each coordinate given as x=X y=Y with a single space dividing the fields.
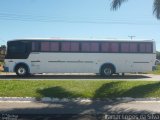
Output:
x=12 y=76
x=77 y=111
x=96 y=110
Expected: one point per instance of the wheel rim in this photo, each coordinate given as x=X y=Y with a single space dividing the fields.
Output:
x=107 y=71
x=21 y=71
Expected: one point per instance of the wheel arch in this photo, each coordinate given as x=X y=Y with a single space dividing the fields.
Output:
x=21 y=63
x=108 y=64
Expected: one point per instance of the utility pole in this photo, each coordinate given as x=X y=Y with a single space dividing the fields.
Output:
x=131 y=37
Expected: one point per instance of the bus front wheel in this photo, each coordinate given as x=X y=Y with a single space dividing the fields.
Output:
x=21 y=70
x=106 y=70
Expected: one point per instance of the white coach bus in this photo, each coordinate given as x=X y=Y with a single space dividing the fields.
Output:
x=105 y=57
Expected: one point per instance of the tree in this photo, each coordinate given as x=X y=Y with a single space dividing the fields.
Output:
x=156 y=6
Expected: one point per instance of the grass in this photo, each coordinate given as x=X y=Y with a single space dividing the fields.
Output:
x=81 y=88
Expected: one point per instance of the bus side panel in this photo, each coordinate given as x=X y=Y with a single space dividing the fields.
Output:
x=89 y=62
x=65 y=63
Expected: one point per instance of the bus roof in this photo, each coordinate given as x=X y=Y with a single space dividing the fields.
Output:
x=71 y=39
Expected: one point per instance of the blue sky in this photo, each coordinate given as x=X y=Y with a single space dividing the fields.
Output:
x=77 y=19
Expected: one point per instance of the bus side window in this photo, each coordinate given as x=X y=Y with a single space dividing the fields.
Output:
x=45 y=46
x=125 y=48
x=85 y=47
x=54 y=47
x=94 y=47
x=65 y=46
x=75 y=46
x=114 y=47
x=133 y=47
x=35 y=46
x=105 y=47
x=142 y=47
x=149 y=48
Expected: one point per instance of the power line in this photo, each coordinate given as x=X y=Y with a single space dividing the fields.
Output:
x=77 y=21
x=31 y=18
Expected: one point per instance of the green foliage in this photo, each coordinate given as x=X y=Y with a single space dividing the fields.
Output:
x=158 y=55
x=156 y=6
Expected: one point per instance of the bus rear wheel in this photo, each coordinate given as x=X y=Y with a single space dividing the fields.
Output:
x=22 y=70
x=106 y=70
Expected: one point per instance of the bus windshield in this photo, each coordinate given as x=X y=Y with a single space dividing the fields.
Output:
x=17 y=50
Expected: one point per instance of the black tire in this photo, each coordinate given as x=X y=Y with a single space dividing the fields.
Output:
x=107 y=70
x=22 y=70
